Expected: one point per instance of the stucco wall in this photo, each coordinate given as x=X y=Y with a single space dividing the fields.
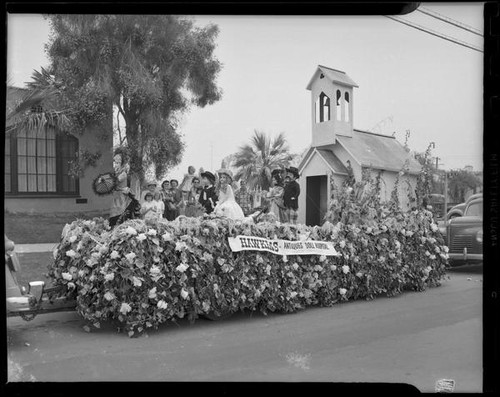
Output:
x=94 y=203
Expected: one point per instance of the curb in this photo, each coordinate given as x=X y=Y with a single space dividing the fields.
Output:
x=30 y=248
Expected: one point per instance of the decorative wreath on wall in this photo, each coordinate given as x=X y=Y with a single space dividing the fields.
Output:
x=104 y=184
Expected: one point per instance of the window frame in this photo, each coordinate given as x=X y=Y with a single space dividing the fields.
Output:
x=60 y=138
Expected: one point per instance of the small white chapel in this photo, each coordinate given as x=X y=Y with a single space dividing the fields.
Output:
x=336 y=144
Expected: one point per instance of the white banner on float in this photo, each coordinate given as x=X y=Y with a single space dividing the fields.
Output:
x=282 y=247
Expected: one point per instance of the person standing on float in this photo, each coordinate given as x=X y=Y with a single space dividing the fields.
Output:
x=208 y=197
x=291 y=195
x=120 y=198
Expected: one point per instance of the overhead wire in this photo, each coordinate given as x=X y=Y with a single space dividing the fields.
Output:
x=434 y=33
x=446 y=19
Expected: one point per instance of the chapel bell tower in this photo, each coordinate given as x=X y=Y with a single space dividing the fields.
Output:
x=332 y=105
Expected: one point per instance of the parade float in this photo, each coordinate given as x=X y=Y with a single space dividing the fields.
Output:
x=141 y=274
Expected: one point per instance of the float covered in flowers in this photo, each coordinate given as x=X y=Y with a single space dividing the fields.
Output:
x=142 y=274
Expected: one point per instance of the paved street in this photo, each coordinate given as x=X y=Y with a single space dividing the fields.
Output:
x=415 y=338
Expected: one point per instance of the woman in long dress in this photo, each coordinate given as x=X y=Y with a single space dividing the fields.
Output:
x=227 y=205
x=120 y=194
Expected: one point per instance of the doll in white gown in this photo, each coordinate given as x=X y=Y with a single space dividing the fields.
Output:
x=227 y=205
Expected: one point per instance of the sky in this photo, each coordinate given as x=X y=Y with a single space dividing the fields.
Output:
x=408 y=80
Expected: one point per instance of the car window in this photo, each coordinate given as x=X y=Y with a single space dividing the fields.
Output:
x=475 y=209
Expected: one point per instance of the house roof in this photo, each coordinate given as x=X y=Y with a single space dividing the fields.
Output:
x=327 y=156
x=377 y=151
x=334 y=75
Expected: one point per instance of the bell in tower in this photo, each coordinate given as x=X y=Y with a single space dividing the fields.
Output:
x=331 y=105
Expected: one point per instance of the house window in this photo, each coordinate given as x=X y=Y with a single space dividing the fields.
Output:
x=322 y=108
x=338 y=108
x=37 y=162
x=346 y=106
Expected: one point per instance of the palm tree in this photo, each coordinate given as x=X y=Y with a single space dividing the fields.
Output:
x=36 y=107
x=256 y=161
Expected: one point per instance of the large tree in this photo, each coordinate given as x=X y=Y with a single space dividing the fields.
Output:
x=152 y=68
x=255 y=161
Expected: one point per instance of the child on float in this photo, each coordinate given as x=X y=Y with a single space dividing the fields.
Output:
x=227 y=205
x=193 y=207
x=160 y=205
x=291 y=195
x=208 y=197
x=149 y=207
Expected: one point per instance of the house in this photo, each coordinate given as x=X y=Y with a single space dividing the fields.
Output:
x=37 y=175
x=336 y=145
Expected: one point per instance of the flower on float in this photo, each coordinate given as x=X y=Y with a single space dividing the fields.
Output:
x=162 y=304
x=155 y=270
x=285 y=259
x=295 y=266
x=206 y=306
x=109 y=277
x=67 y=276
x=409 y=233
x=427 y=253
x=71 y=253
x=180 y=245
x=166 y=236
x=342 y=244
x=369 y=230
x=318 y=268
x=423 y=239
x=342 y=291
x=71 y=285
x=268 y=269
x=152 y=293
x=109 y=296
x=359 y=274
x=333 y=267
x=384 y=228
x=141 y=237
x=182 y=267
x=130 y=231
x=81 y=273
x=72 y=239
x=345 y=269
x=152 y=232
x=293 y=294
x=432 y=257
x=398 y=244
x=114 y=254
x=184 y=294
x=381 y=259
x=445 y=248
x=130 y=256
x=125 y=308
x=137 y=281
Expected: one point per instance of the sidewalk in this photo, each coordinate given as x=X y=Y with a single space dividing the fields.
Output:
x=29 y=248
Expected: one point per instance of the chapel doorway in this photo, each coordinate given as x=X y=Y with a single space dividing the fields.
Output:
x=316 y=199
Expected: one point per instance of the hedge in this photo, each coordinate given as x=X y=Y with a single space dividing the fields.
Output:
x=142 y=274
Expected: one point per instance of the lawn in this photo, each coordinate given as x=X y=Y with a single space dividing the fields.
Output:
x=33 y=267
x=38 y=228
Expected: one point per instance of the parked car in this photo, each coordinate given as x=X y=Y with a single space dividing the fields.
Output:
x=37 y=299
x=465 y=234
x=458 y=210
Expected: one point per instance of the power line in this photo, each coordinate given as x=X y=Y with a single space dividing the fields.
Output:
x=446 y=19
x=434 y=33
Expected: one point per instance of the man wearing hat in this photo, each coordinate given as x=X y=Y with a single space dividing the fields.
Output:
x=291 y=195
x=208 y=197
x=150 y=188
